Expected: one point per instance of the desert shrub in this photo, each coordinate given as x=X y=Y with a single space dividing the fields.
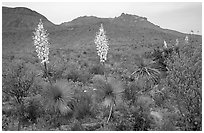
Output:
x=122 y=118
x=85 y=76
x=83 y=107
x=131 y=92
x=33 y=109
x=56 y=67
x=73 y=75
x=148 y=54
x=141 y=121
x=145 y=102
x=159 y=99
x=107 y=127
x=139 y=114
x=132 y=118
x=161 y=120
x=184 y=80
x=97 y=69
x=17 y=81
x=28 y=57
x=79 y=75
x=53 y=73
x=168 y=52
x=9 y=123
x=98 y=78
x=5 y=122
x=74 y=72
x=145 y=115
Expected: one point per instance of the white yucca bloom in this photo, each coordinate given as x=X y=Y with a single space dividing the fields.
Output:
x=41 y=42
x=186 y=39
x=101 y=44
x=177 y=42
x=165 y=44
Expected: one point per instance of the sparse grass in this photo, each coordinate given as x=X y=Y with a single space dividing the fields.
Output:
x=85 y=97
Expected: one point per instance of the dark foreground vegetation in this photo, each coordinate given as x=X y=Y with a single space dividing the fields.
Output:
x=158 y=90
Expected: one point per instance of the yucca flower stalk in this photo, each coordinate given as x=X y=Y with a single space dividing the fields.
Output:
x=41 y=43
x=176 y=48
x=186 y=39
x=177 y=42
x=102 y=46
x=165 y=44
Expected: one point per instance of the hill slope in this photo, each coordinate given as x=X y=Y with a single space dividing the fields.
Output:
x=20 y=18
x=124 y=32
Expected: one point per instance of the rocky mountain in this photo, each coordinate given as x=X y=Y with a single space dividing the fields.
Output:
x=124 y=31
x=133 y=20
x=125 y=20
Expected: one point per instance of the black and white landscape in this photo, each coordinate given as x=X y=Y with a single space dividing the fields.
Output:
x=123 y=73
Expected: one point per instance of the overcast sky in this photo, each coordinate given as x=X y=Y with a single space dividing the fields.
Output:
x=180 y=16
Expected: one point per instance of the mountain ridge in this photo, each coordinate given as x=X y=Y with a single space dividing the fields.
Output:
x=19 y=23
x=21 y=18
x=15 y=19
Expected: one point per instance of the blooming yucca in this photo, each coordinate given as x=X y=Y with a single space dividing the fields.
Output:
x=41 y=42
x=101 y=44
x=176 y=48
x=165 y=44
x=186 y=40
x=177 y=42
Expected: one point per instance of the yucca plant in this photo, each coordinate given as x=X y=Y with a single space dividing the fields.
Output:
x=147 y=72
x=186 y=40
x=109 y=91
x=102 y=45
x=165 y=44
x=159 y=61
x=57 y=96
x=167 y=51
x=41 y=42
x=176 y=47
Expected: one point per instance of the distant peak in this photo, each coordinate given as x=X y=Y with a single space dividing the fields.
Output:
x=131 y=18
x=128 y=15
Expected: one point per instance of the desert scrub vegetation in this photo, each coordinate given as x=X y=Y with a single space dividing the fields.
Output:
x=184 y=80
x=159 y=90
